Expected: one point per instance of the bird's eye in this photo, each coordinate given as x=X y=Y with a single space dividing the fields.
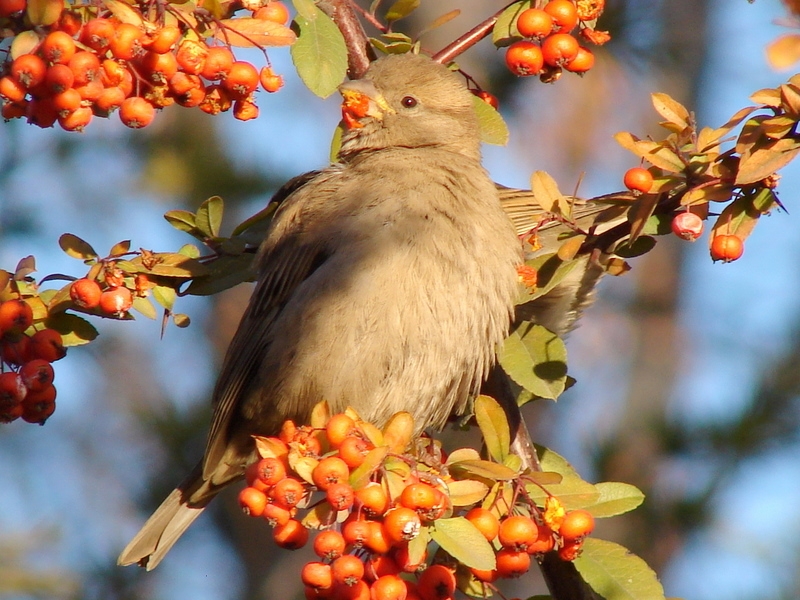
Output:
x=409 y=102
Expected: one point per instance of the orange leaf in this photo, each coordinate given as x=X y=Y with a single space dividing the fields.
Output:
x=248 y=32
x=784 y=52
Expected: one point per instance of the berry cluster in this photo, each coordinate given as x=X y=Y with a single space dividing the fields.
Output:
x=548 y=46
x=686 y=224
x=26 y=380
x=375 y=504
x=92 y=61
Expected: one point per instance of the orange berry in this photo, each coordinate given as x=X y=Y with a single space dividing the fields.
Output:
x=97 y=34
x=67 y=102
x=9 y=7
x=485 y=521
x=69 y=22
x=534 y=23
x=275 y=515
x=518 y=532
x=347 y=569
x=58 y=78
x=372 y=499
x=269 y=80
x=57 y=47
x=85 y=67
x=545 y=541
x=41 y=112
x=340 y=496
x=245 y=110
x=158 y=68
x=216 y=100
x=379 y=565
x=11 y=89
x=564 y=14
x=582 y=62
x=15 y=316
x=242 y=79
x=12 y=389
x=570 y=551
x=329 y=544
x=378 y=539
x=726 y=248
x=638 y=179
x=48 y=345
x=267 y=471
x=512 y=563
x=291 y=536
x=191 y=56
x=28 y=70
x=576 y=525
x=329 y=471
x=356 y=532
x=486 y=576
x=401 y=524
x=37 y=374
x=388 y=587
x=252 y=501
x=127 y=42
x=524 y=58
x=353 y=450
x=317 y=575
x=13 y=110
x=437 y=582
x=85 y=293
x=274 y=11
x=110 y=99
x=420 y=497
x=559 y=49
x=116 y=300
x=218 y=63
x=165 y=39
x=287 y=493
x=338 y=428
x=357 y=591
x=91 y=91
x=136 y=112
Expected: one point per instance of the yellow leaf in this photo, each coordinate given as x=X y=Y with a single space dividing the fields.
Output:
x=784 y=51
x=672 y=110
x=548 y=196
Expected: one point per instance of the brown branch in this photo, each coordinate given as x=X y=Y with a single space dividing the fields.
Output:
x=359 y=50
x=468 y=40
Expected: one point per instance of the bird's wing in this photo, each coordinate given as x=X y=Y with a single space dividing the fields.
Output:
x=287 y=258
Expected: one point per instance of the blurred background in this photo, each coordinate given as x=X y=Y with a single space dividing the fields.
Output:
x=688 y=383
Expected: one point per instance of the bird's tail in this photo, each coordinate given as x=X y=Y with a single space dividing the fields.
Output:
x=168 y=522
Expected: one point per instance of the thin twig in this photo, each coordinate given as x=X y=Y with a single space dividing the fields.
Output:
x=468 y=40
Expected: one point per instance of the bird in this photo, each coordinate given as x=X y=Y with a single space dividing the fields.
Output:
x=385 y=282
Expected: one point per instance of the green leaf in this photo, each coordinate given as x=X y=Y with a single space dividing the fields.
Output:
x=222 y=274
x=462 y=540
x=168 y=264
x=336 y=143
x=165 y=296
x=320 y=53
x=466 y=492
x=535 y=359
x=616 y=574
x=76 y=247
x=505 y=29
x=74 y=330
x=120 y=248
x=572 y=490
x=182 y=220
x=494 y=426
x=615 y=499
x=144 y=307
x=492 y=126
x=209 y=216
x=401 y=9
x=306 y=8
x=641 y=245
x=550 y=271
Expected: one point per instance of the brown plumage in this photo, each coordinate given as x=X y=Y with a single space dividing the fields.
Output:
x=385 y=283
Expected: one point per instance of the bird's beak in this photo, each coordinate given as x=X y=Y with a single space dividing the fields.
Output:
x=361 y=99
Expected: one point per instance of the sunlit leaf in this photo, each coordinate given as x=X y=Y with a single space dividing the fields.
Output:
x=401 y=9
x=76 y=247
x=209 y=216
x=784 y=52
x=74 y=330
x=319 y=54
x=467 y=492
x=672 y=110
x=462 y=540
x=493 y=128
x=493 y=424
x=247 y=32
x=44 y=12
x=615 y=499
x=616 y=574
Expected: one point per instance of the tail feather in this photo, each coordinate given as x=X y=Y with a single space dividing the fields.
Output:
x=168 y=522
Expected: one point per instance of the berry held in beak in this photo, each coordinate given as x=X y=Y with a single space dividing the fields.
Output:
x=360 y=100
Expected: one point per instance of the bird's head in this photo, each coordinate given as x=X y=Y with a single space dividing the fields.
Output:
x=408 y=101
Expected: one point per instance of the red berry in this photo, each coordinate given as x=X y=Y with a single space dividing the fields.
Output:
x=564 y=14
x=726 y=248
x=48 y=345
x=638 y=179
x=37 y=374
x=535 y=23
x=116 y=301
x=85 y=293
x=15 y=316
x=524 y=58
